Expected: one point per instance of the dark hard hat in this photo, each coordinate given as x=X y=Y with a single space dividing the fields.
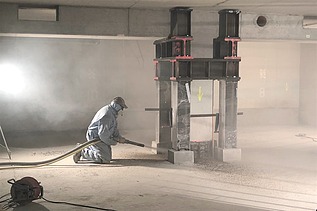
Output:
x=120 y=101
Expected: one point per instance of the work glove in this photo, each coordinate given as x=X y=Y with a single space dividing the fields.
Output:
x=121 y=140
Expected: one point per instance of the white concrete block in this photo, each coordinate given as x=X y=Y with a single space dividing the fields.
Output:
x=180 y=157
x=154 y=147
x=228 y=155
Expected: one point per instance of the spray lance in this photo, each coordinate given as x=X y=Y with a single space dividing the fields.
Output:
x=133 y=143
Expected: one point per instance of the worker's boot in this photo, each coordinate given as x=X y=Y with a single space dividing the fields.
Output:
x=104 y=161
x=77 y=156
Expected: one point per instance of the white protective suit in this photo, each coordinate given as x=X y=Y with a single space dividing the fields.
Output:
x=103 y=126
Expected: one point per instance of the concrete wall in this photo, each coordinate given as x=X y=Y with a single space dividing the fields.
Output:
x=90 y=21
x=71 y=78
x=268 y=92
x=278 y=83
x=276 y=88
x=278 y=27
x=308 y=85
x=68 y=80
x=152 y=23
x=205 y=28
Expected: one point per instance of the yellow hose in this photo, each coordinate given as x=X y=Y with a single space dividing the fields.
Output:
x=13 y=165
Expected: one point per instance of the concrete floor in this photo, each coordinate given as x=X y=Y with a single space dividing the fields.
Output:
x=278 y=171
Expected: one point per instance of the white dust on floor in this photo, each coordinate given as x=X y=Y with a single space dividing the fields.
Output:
x=277 y=172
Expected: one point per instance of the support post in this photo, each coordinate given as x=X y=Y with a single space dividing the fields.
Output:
x=174 y=126
x=225 y=47
x=165 y=118
x=175 y=68
x=181 y=116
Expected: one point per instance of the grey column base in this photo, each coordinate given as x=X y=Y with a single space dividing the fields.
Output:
x=180 y=157
x=160 y=148
x=228 y=155
x=154 y=147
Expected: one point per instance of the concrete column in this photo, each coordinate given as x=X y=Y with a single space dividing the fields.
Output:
x=165 y=119
x=227 y=150
x=225 y=47
x=222 y=113
x=180 y=153
x=181 y=117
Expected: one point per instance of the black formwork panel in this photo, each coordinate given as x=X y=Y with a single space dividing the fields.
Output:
x=222 y=48
x=232 y=69
x=201 y=68
x=158 y=51
x=180 y=21
x=228 y=34
x=182 y=69
x=165 y=48
x=224 y=68
x=229 y=23
x=164 y=69
x=176 y=47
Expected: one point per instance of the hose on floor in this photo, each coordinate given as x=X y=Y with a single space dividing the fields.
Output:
x=12 y=165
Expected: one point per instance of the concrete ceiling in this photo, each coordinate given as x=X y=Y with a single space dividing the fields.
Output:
x=288 y=7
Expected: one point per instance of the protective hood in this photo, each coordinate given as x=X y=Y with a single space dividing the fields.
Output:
x=116 y=106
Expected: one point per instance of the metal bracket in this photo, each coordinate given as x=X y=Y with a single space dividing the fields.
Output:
x=170 y=114
x=213 y=115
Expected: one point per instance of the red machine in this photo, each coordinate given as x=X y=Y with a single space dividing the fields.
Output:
x=25 y=190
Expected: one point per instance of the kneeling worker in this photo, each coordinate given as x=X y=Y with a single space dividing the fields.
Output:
x=103 y=126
